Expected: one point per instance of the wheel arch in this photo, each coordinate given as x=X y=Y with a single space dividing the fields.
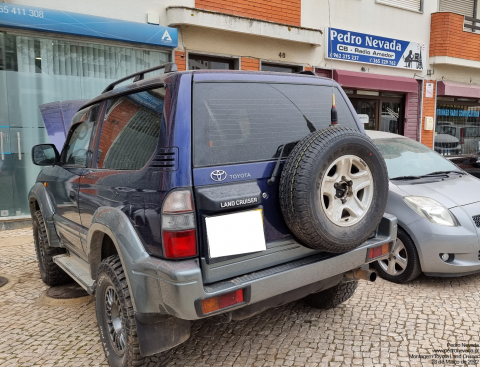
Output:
x=412 y=236
x=113 y=224
x=39 y=199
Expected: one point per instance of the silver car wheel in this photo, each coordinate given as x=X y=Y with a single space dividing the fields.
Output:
x=114 y=320
x=397 y=261
x=346 y=191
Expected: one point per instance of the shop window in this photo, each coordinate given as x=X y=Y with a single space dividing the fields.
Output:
x=199 y=62
x=279 y=68
x=39 y=70
x=130 y=130
x=457 y=128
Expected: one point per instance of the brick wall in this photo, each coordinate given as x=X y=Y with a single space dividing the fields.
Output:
x=308 y=68
x=181 y=60
x=428 y=110
x=280 y=11
x=447 y=38
x=250 y=64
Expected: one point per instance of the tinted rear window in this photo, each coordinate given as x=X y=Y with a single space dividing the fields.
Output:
x=246 y=122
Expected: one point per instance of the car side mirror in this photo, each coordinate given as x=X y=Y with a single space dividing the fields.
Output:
x=45 y=155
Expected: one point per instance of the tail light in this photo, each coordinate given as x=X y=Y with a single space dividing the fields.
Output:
x=222 y=301
x=462 y=135
x=378 y=251
x=178 y=225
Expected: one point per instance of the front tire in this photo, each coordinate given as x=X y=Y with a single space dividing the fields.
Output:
x=403 y=264
x=116 y=321
x=332 y=297
x=50 y=272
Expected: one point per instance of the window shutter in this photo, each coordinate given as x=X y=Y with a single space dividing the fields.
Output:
x=464 y=7
x=407 y=4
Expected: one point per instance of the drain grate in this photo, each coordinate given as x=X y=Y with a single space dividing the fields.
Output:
x=70 y=290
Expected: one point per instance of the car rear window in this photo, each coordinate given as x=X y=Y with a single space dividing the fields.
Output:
x=247 y=122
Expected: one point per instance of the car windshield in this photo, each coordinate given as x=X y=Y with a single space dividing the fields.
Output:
x=406 y=157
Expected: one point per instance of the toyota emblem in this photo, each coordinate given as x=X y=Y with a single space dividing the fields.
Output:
x=218 y=175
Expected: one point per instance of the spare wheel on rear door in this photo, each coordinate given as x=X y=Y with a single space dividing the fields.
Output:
x=334 y=189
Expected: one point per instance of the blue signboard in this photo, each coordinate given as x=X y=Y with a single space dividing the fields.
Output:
x=360 y=47
x=48 y=20
x=457 y=113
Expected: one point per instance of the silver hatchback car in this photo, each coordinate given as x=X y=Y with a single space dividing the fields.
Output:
x=438 y=210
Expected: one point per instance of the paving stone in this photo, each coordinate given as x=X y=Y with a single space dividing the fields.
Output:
x=381 y=325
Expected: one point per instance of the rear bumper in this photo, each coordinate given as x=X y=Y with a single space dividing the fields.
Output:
x=175 y=288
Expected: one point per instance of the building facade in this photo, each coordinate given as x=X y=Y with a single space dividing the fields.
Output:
x=411 y=66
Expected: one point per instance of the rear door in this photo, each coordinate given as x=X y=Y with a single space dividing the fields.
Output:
x=239 y=130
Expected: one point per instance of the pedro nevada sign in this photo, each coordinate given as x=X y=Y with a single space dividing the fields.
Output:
x=360 y=47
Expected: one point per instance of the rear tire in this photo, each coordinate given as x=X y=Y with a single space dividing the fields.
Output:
x=50 y=272
x=332 y=297
x=334 y=189
x=116 y=320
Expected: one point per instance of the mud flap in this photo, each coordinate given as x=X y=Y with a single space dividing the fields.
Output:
x=158 y=333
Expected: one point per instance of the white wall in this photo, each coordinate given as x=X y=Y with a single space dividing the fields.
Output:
x=132 y=10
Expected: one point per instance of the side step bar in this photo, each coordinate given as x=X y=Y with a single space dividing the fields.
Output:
x=79 y=272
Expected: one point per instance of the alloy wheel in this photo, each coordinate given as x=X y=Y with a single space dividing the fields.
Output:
x=397 y=261
x=113 y=314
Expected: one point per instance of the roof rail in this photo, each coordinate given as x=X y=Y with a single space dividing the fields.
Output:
x=169 y=67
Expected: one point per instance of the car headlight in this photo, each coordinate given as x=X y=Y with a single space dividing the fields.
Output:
x=431 y=210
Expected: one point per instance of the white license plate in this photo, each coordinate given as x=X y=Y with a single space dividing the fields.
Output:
x=235 y=234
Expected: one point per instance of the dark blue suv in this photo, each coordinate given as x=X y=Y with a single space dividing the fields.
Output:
x=198 y=193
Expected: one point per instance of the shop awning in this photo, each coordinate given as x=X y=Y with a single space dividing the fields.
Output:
x=352 y=79
x=453 y=89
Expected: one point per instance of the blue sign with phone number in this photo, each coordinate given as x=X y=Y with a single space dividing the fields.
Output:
x=360 y=47
x=48 y=20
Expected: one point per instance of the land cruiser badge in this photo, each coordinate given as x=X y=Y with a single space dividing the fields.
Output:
x=238 y=202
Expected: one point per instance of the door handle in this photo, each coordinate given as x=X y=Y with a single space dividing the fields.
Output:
x=19 y=151
x=1 y=146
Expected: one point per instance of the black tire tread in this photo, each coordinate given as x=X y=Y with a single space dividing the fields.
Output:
x=52 y=274
x=332 y=297
x=112 y=267
x=294 y=196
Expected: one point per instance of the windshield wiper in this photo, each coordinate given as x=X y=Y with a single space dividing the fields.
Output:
x=406 y=178
x=441 y=173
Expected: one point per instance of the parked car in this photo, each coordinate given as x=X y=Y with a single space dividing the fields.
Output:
x=468 y=137
x=447 y=145
x=165 y=203
x=438 y=211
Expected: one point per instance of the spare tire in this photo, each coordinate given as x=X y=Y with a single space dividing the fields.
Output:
x=334 y=189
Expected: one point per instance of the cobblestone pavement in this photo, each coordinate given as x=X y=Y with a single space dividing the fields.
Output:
x=381 y=325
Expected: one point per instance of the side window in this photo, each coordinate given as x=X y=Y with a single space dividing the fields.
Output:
x=130 y=130
x=76 y=150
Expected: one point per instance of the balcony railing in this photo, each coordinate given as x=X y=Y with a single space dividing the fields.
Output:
x=471 y=24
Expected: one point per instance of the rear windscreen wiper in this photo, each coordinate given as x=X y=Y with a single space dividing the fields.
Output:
x=271 y=180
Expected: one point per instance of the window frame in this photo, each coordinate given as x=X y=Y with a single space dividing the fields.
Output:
x=100 y=122
x=235 y=60
x=299 y=67
x=91 y=144
x=422 y=2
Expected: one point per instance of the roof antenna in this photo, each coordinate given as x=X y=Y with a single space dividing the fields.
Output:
x=333 y=114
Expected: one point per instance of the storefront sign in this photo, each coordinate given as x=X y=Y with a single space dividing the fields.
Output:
x=429 y=90
x=457 y=113
x=48 y=20
x=360 y=47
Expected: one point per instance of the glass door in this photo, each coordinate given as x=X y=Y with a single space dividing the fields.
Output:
x=391 y=117
x=367 y=107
